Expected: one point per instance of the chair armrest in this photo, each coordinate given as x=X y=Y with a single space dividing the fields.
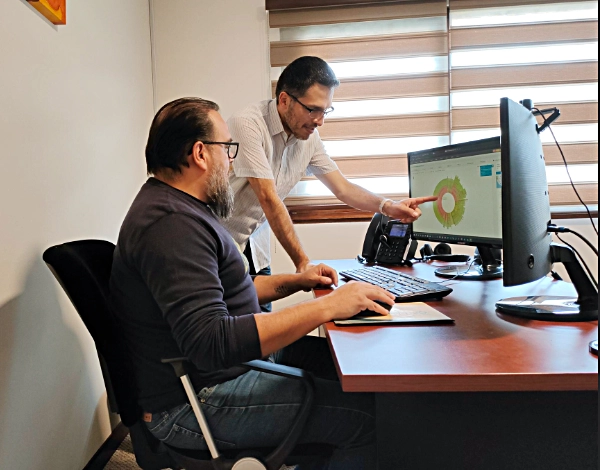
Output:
x=277 y=369
x=276 y=458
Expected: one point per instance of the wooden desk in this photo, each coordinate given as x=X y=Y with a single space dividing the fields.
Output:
x=523 y=392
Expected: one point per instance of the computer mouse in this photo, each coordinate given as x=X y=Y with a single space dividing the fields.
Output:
x=371 y=313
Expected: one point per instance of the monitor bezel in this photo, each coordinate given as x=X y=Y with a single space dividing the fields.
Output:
x=465 y=149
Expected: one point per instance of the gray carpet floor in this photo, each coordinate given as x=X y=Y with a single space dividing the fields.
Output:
x=123 y=458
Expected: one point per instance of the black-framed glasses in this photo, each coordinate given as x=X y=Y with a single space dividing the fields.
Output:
x=314 y=113
x=230 y=147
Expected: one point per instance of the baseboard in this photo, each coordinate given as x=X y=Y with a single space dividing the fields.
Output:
x=108 y=448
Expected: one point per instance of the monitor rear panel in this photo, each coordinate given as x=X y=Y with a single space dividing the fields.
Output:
x=525 y=199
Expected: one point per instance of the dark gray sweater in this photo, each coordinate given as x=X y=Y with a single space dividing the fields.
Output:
x=180 y=287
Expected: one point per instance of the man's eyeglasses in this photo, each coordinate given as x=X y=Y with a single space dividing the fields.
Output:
x=230 y=147
x=314 y=113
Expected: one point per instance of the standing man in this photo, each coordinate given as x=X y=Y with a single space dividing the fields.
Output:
x=180 y=287
x=279 y=144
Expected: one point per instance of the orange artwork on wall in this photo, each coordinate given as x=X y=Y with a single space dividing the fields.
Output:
x=54 y=10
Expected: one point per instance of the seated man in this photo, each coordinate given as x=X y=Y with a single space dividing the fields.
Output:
x=180 y=286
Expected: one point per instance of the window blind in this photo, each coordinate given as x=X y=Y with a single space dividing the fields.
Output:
x=392 y=61
x=546 y=51
x=418 y=75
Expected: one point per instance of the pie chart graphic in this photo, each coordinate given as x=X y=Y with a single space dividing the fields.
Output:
x=449 y=209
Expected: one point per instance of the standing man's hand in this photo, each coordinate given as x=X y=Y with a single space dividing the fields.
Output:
x=407 y=210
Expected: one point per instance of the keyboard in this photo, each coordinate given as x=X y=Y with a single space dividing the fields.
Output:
x=406 y=288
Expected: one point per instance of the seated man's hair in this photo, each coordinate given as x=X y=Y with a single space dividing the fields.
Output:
x=303 y=73
x=177 y=126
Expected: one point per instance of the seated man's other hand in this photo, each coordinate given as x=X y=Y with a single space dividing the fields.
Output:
x=319 y=275
x=407 y=210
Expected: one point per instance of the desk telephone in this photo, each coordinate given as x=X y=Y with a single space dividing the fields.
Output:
x=386 y=240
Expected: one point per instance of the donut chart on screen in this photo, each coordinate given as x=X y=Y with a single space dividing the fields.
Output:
x=449 y=209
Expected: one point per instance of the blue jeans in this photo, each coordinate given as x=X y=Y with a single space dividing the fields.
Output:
x=257 y=409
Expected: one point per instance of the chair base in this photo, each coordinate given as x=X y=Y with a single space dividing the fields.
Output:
x=202 y=460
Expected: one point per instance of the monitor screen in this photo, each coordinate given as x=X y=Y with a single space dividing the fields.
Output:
x=468 y=180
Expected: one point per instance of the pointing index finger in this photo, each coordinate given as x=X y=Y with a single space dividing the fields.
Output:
x=421 y=200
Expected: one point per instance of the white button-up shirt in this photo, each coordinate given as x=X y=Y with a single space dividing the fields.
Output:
x=267 y=152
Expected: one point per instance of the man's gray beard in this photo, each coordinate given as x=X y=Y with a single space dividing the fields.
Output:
x=220 y=194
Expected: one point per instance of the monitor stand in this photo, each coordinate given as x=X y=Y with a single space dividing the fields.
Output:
x=584 y=307
x=487 y=265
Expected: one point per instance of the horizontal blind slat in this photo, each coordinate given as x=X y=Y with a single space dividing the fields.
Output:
x=389 y=126
x=386 y=87
x=523 y=34
x=397 y=165
x=373 y=166
x=571 y=113
x=375 y=47
x=475 y=4
x=559 y=195
x=574 y=153
x=349 y=14
x=564 y=194
x=488 y=77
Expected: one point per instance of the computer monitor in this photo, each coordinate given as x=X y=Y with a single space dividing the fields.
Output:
x=468 y=180
x=528 y=249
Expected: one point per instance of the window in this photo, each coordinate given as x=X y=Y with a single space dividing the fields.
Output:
x=546 y=52
x=418 y=75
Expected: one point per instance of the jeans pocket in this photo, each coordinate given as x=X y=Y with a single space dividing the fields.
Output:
x=160 y=421
x=184 y=438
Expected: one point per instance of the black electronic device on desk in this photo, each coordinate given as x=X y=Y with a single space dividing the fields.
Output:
x=529 y=251
x=386 y=241
x=406 y=288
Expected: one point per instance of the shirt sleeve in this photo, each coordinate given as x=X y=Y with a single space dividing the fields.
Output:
x=183 y=278
x=320 y=163
x=252 y=160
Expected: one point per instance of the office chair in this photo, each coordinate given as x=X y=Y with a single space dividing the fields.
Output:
x=83 y=270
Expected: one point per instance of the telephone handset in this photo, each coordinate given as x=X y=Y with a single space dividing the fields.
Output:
x=386 y=240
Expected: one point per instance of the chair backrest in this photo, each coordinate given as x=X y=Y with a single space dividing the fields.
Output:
x=83 y=270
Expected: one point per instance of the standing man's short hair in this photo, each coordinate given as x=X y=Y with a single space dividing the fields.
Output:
x=303 y=73
x=177 y=126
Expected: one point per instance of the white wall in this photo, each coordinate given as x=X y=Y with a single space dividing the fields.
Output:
x=216 y=50
x=75 y=108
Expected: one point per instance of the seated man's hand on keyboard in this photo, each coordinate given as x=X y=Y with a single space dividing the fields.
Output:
x=320 y=275
x=354 y=297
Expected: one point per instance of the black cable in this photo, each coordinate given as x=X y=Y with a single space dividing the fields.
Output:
x=589 y=271
x=555 y=229
x=594 y=249
x=568 y=172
